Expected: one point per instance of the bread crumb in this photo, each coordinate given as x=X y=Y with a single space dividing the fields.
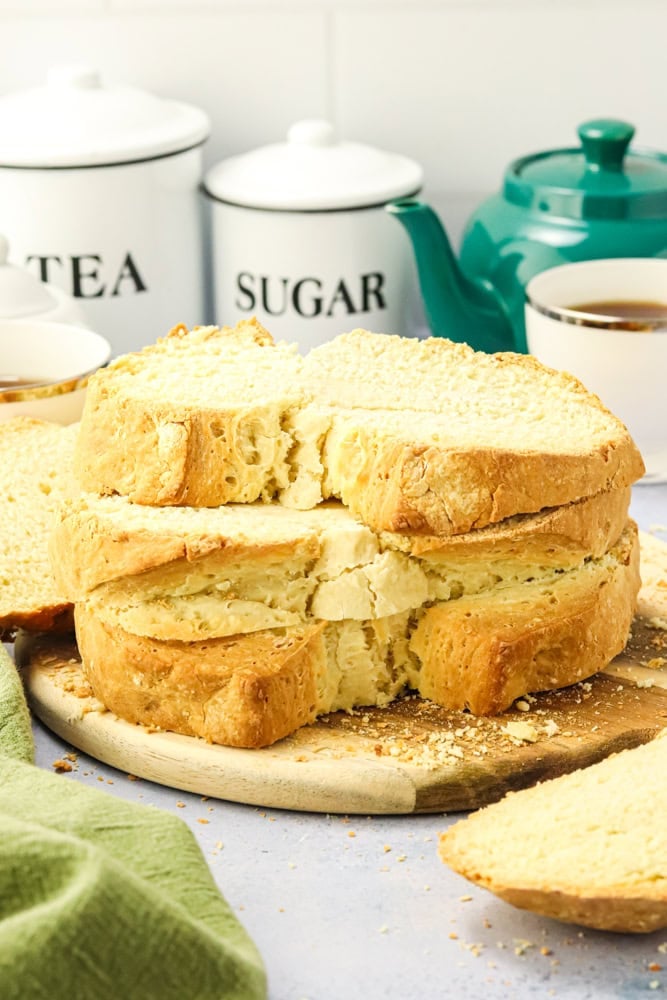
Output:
x=654 y=967
x=202 y=821
x=61 y=765
x=524 y=732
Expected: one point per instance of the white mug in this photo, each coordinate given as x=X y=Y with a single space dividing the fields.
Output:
x=302 y=241
x=621 y=360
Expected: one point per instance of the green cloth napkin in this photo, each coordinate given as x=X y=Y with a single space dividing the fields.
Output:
x=101 y=899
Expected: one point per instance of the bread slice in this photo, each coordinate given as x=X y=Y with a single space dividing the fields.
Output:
x=244 y=690
x=36 y=462
x=249 y=690
x=587 y=848
x=482 y=654
x=414 y=436
x=190 y=574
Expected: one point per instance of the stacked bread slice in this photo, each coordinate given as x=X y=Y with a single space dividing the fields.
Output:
x=262 y=538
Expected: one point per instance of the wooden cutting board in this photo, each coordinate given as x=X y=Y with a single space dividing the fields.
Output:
x=408 y=758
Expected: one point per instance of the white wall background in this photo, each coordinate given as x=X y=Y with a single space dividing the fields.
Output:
x=463 y=86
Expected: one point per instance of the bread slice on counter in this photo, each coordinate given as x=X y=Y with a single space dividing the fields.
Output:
x=587 y=848
x=414 y=436
x=36 y=473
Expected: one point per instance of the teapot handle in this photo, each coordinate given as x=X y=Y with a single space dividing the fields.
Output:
x=605 y=142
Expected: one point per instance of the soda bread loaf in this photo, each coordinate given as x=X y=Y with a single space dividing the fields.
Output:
x=254 y=688
x=587 y=848
x=184 y=573
x=414 y=436
x=36 y=461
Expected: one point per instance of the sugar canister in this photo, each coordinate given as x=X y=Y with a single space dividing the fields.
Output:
x=301 y=239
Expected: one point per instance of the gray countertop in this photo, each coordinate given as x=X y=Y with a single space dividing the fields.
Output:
x=361 y=908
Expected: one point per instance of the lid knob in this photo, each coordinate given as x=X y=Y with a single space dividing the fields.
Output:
x=605 y=142
x=74 y=76
x=312 y=132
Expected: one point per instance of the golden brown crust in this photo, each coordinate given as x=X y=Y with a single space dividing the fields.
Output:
x=52 y=617
x=421 y=489
x=558 y=536
x=482 y=653
x=618 y=911
x=243 y=691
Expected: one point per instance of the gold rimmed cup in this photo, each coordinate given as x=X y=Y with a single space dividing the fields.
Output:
x=45 y=368
x=605 y=321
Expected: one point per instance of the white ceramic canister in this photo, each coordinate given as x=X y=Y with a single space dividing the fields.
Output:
x=301 y=238
x=100 y=196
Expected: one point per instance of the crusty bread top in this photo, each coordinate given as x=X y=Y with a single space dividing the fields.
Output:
x=414 y=436
x=586 y=847
x=36 y=464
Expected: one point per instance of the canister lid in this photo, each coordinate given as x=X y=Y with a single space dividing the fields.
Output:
x=23 y=296
x=313 y=171
x=604 y=178
x=76 y=120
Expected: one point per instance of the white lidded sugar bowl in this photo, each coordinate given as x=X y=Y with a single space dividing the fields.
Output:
x=99 y=196
x=301 y=238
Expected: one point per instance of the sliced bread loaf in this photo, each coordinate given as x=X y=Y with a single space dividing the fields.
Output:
x=414 y=436
x=587 y=848
x=36 y=462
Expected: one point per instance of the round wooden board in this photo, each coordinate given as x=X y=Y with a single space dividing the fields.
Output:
x=410 y=757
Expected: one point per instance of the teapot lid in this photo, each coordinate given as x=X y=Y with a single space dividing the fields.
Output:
x=313 y=171
x=21 y=294
x=603 y=179
x=75 y=120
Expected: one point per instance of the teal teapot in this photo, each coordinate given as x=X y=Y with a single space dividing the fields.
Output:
x=601 y=199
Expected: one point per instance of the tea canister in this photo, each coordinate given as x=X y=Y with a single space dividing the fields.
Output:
x=301 y=239
x=99 y=196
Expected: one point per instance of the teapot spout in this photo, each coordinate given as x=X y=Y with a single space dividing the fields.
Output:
x=457 y=307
